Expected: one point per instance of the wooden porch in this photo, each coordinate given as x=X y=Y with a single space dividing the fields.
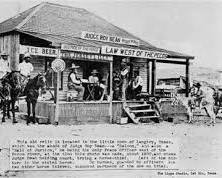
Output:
x=71 y=113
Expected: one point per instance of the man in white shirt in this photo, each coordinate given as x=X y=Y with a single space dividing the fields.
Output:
x=137 y=84
x=125 y=69
x=75 y=83
x=25 y=67
x=4 y=65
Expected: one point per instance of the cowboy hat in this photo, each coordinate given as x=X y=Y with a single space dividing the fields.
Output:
x=27 y=55
x=3 y=53
x=94 y=71
x=197 y=84
x=74 y=66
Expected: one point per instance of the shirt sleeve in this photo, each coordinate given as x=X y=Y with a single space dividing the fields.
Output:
x=73 y=78
x=31 y=67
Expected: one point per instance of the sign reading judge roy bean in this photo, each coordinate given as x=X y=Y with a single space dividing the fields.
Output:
x=133 y=52
x=108 y=38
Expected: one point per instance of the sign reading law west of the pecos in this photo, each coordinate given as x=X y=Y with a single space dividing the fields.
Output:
x=109 y=50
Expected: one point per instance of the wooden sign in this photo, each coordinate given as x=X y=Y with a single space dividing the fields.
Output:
x=87 y=49
x=38 y=51
x=129 y=52
x=58 y=65
x=86 y=56
x=109 y=38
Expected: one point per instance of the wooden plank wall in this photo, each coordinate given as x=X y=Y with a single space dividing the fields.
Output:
x=10 y=44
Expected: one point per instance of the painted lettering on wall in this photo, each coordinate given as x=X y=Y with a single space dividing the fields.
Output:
x=108 y=38
x=39 y=51
x=133 y=52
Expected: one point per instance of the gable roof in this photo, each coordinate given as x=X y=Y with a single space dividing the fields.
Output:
x=65 y=21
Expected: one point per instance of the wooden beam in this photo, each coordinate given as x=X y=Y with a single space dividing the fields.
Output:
x=148 y=76
x=153 y=84
x=171 y=62
x=187 y=77
x=111 y=92
x=14 y=51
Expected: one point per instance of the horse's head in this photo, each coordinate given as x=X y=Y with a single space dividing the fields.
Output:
x=15 y=80
x=41 y=82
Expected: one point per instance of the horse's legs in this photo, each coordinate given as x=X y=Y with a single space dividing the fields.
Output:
x=13 y=111
x=33 y=112
x=210 y=112
x=28 y=110
x=8 y=108
x=4 y=110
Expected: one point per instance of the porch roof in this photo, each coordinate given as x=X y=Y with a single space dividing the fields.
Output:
x=64 y=24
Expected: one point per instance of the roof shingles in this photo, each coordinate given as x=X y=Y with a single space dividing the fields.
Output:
x=58 y=20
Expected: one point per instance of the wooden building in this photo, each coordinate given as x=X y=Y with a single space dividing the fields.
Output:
x=48 y=30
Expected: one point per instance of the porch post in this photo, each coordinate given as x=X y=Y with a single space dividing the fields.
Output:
x=148 y=76
x=153 y=84
x=187 y=77
x=111 y=92
x=14 y=51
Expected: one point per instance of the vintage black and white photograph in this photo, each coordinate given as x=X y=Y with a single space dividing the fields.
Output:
x=110 y=89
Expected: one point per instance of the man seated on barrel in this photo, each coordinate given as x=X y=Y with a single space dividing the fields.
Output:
x=75 y=83
x=137 y=84
x=97 y=86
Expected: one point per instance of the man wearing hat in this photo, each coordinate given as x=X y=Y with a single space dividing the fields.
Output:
x=137 y=84
x=125 y=69
x=75 y=83
x=25 y=67
x=4 y=65
x=99 y=87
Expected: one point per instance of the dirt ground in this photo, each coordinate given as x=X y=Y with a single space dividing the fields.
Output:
x=200 y=146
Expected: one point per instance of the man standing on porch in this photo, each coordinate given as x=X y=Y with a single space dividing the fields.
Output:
x=4 y=65
x=75 y=83
x=125 y=77
x=137 y=84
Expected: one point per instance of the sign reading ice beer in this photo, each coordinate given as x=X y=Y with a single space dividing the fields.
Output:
x=109 y=38
x=133 y=52
x=38 y=51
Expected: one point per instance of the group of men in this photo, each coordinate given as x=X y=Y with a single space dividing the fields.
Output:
x=25 y=67
x=121 y=85
x=74 y=82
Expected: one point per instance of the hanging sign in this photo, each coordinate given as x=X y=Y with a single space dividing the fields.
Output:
x=38 y=51
x=109 y=38
x=86 y=49
x=133 y=52
x=86 y=56
x=58 y=65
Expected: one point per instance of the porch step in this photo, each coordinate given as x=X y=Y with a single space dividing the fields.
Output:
x=148 y=117
x=140 y=106
x=143 y=111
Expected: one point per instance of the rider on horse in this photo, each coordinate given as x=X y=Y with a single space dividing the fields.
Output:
x=25 y=67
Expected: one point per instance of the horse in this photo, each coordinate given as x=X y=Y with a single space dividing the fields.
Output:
x=12 y=87
x=32 y=93
x=5 y=99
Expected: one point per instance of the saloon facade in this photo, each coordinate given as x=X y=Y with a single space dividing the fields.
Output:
x=48 y=31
